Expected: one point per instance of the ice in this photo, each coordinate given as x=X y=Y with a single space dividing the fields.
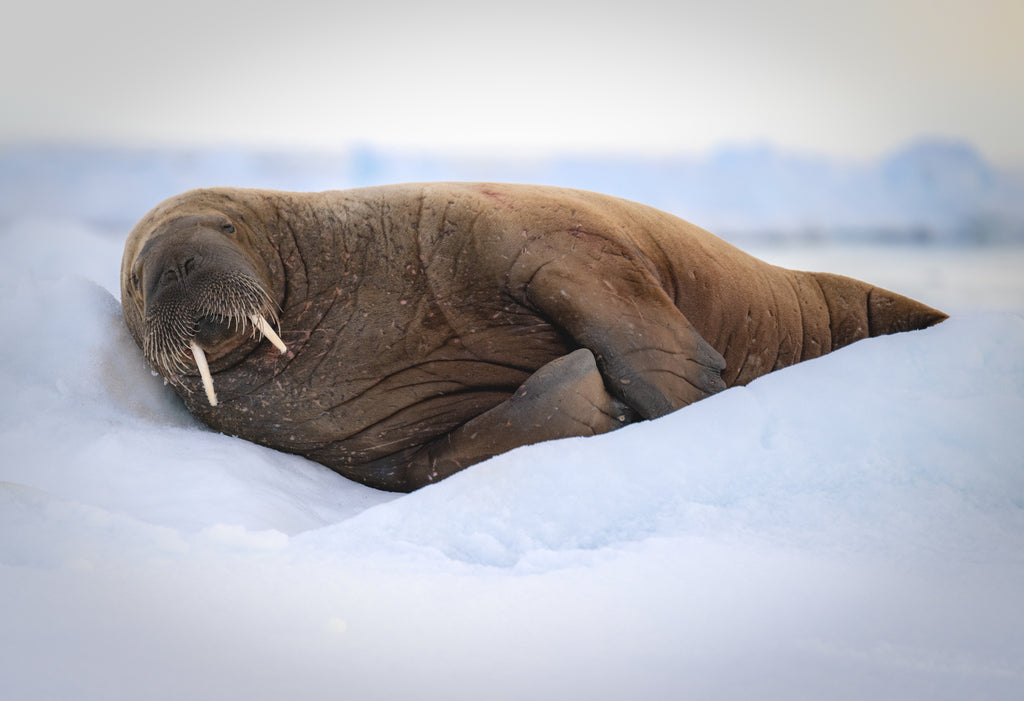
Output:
x=848 y=528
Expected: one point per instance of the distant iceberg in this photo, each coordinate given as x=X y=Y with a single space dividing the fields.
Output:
x=931 y=191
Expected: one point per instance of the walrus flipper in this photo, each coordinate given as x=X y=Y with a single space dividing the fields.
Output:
x=650 y=355
x=563 y=399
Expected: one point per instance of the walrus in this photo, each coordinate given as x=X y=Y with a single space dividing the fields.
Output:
x=399 y=334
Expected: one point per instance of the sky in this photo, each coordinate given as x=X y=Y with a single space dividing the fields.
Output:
x=852 y=80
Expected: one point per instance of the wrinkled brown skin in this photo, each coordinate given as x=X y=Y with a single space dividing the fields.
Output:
x=432 y=326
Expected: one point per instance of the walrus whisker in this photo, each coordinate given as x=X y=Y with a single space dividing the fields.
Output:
x=267 y=330
x=204 y=371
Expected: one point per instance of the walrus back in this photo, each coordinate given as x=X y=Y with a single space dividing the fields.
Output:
x=759 y=316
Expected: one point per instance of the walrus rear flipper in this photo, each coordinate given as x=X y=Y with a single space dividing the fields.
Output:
x=860 y=310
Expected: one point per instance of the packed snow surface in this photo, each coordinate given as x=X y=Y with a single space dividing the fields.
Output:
x=848 y=528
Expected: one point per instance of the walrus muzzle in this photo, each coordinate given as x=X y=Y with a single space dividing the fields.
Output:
x=198 y=298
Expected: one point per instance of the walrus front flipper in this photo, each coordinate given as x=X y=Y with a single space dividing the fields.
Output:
x=650 y=355
x=565 y=398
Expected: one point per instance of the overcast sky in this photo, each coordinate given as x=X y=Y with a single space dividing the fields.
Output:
x=849 y=79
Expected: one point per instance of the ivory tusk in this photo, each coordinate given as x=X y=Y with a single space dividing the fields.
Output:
x=267 y=330
x=204 y=372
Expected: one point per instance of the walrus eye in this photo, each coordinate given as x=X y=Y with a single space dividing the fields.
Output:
x=227 y=228
x=135 y=282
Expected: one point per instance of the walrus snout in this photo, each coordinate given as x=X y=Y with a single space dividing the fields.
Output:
x=204 y=315
x=198 y=295
x=212 y=311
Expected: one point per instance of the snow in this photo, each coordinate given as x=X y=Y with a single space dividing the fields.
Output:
x=848 y=528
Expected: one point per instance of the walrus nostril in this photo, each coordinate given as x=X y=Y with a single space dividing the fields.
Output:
x=177 y=272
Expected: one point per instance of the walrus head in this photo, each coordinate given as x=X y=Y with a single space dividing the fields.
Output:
x=190 y=290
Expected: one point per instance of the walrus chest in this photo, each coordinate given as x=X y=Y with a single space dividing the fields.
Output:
x=362 y=384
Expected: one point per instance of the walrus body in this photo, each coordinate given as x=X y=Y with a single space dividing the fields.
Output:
x=429 y=327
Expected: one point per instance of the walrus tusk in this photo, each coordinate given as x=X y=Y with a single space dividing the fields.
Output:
x=204 y=371
x=264 y=328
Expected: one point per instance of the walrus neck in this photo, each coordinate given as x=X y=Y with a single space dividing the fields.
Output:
x=282 y=252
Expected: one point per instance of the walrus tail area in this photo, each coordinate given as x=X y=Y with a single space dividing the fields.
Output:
x=889 y=312
x=859 y=310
